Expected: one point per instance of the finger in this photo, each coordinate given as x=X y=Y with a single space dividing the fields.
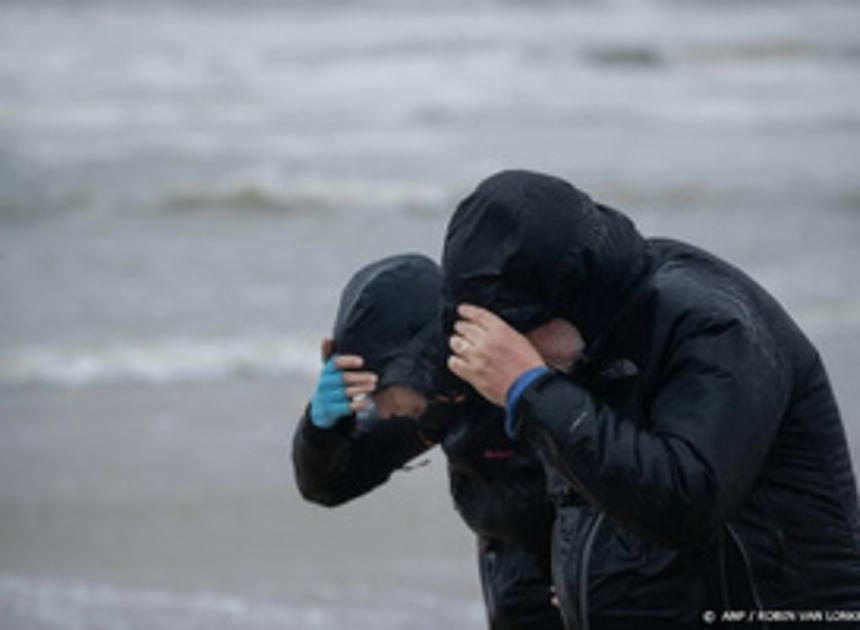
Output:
x=348 y=362
x=458 y=345
x=359 y=405
x=358 y=390
x=326 y=347
x=359 y=378
x=554 y=600
x=475 y=314
x=459 y=367
x=468 y=330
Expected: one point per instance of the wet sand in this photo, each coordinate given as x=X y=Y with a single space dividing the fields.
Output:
x=132 y=503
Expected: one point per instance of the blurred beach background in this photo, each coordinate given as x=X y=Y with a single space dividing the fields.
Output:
x=185 y=187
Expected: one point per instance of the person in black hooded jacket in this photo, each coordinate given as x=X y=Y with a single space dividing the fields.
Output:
x=695 y=451
x=386 y=343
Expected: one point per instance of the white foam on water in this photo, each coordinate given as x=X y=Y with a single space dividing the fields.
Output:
x=267 y=187
x=167 y=361
x=161 y=362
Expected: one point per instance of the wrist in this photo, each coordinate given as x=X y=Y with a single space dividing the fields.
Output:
x=515 y=390
x=326 y=413
x=319 y=438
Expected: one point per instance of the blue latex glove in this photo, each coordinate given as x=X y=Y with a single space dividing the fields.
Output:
x=329 y=402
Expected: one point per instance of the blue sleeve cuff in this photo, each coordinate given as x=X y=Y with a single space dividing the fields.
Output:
x=515 y=391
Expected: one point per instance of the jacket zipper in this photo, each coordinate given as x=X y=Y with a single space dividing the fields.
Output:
x=583 y=571
x=747 y=568
x=584 y=564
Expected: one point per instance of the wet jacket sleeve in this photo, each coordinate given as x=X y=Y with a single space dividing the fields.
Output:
x=709 y=424
x=333 y=466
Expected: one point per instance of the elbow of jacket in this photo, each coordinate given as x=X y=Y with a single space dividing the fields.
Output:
x=675 y=529
x=686 y=524
x=690 y=506
x=322 y=497
x=693 y=530
x=326 y=499
x=315 y=492
x=683 y=513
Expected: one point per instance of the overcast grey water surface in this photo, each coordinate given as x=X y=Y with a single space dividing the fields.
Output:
x=185 y=186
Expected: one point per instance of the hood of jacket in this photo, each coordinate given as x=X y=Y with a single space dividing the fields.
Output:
x=388 y=315
x=532 y=247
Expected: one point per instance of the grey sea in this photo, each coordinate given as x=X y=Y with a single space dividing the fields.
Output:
x=185 y=186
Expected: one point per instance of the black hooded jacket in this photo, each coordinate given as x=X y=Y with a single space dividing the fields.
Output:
x=498 y=485
x=697 y=453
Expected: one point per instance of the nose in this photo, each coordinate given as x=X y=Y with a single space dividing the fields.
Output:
x=384 y=409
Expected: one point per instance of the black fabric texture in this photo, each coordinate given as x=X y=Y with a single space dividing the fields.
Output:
x=516 y=588
x=696 y=456
x=389 y=315
x=333 y=466
x=531 y=248
x=383 y=317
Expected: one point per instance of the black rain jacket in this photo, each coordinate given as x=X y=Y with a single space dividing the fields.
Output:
x=498 y=486
x=697 y=456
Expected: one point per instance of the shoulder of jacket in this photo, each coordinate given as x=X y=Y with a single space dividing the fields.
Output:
x=698 y=292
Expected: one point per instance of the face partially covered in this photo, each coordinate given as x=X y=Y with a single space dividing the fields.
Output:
x=400 y=401
x=558 y=342
x=532 y=248
x=388 y=315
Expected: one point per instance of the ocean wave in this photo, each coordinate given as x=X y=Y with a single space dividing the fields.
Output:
x=170 y=360
x=740 y=53
x=161 y=362
x=626 y=55
x=271 y=193
x=767 y=51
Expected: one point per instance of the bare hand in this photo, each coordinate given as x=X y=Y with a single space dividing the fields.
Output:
x=488 y=353
x=355 y=383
